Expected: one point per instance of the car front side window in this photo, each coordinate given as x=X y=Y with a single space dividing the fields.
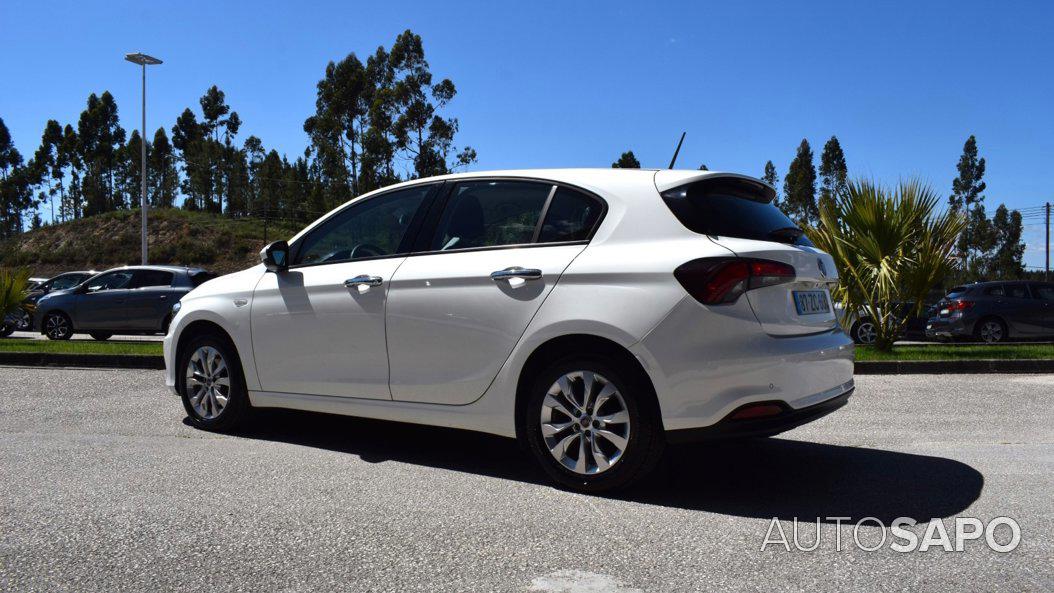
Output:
x=1043 y=292
x=374 y=228
x=111 y=281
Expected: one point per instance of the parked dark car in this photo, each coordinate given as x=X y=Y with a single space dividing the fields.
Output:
x=862 y=327
x=128 y=300
x=24 y=319
x=995 y=311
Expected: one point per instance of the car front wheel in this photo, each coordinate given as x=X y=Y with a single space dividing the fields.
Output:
x=57 y=326
x=211 y=385
x=590 y=428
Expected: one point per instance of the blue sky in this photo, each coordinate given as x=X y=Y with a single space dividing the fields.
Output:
x=902 y=84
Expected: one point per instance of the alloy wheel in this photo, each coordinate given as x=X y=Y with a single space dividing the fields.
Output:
x=585 y=422
x=992 y=331
x=865 y=333
x=208 y=382
x=57 y=327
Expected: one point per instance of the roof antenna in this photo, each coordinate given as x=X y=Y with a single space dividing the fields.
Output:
x=674 y=159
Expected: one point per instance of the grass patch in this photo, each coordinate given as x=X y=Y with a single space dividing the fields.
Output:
x=81 y=347
x=967 y=352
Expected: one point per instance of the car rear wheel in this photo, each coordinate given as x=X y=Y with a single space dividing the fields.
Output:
x=57 y=326
x=210 y=382
x=101 y=336
x=991 y=331
x=864 y=332
x=589 y=426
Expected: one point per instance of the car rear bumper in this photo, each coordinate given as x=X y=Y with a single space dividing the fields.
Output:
x=947 y=328
x=731 y=427
x=704 y=364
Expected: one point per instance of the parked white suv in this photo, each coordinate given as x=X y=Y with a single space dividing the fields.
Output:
x=594 y=314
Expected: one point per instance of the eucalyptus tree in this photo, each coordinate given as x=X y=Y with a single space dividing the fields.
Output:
x=799 y=187
x=833 y=171
x=627 y=160
x=162 y=174
x=100 y=138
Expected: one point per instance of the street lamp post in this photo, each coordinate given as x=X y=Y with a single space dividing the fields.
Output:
x=144 y=61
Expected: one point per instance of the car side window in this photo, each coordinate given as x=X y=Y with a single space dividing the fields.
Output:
x=374 y=228
x=1017 y=291
x=490 y=214
x=571 y=217
x=151 y=278
x=1043 y=292
x=111 y=281
x=996 y=290
x=64 y=282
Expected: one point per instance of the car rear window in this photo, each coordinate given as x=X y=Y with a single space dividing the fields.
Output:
x=955 y=292
x=151 y=279
x=732 y=207
x=571 y=217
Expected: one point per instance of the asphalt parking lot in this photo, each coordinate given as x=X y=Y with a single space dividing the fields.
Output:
x=106 y=489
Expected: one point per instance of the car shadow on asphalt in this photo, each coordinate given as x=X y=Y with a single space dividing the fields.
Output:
x=762 y=478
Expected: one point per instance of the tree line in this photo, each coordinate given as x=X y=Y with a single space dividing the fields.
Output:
x=988 y=247
x=375 y=123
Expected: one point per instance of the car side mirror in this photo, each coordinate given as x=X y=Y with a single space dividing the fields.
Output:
x=275 y=257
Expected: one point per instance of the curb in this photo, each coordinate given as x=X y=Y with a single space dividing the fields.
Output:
x=89 y=361
x=950 y=367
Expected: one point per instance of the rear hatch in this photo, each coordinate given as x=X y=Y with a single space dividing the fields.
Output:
x=737 y=213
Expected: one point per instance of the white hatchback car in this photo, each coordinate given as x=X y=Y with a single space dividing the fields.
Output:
x=595 y=314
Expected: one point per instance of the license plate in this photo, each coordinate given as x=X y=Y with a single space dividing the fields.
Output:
x=811 y=302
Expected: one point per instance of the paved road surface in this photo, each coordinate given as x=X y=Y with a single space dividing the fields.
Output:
x=106 y=489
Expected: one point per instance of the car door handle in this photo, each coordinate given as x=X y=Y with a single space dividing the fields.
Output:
x=363 y=280
x=164 y=297
x=516 y=272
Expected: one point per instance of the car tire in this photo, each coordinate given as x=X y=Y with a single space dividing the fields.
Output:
x=216 y=398
x=58 y=326
x=100 y=336
x=618 y=451
x=863 y=332
x=991 y=330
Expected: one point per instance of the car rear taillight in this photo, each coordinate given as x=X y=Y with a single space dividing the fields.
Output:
x=959 y=305
x=720 y=280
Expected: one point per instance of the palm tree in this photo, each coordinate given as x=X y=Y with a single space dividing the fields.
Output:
x=890 y=245
x=13 y=290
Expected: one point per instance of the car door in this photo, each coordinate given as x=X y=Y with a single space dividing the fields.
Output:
x=1041 y=316
x=318 y=327
x=492 y=253
x=150 y=299
x=1020 y=309
x=102 y=305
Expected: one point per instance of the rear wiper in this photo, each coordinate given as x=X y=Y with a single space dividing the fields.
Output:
x=787 y=234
